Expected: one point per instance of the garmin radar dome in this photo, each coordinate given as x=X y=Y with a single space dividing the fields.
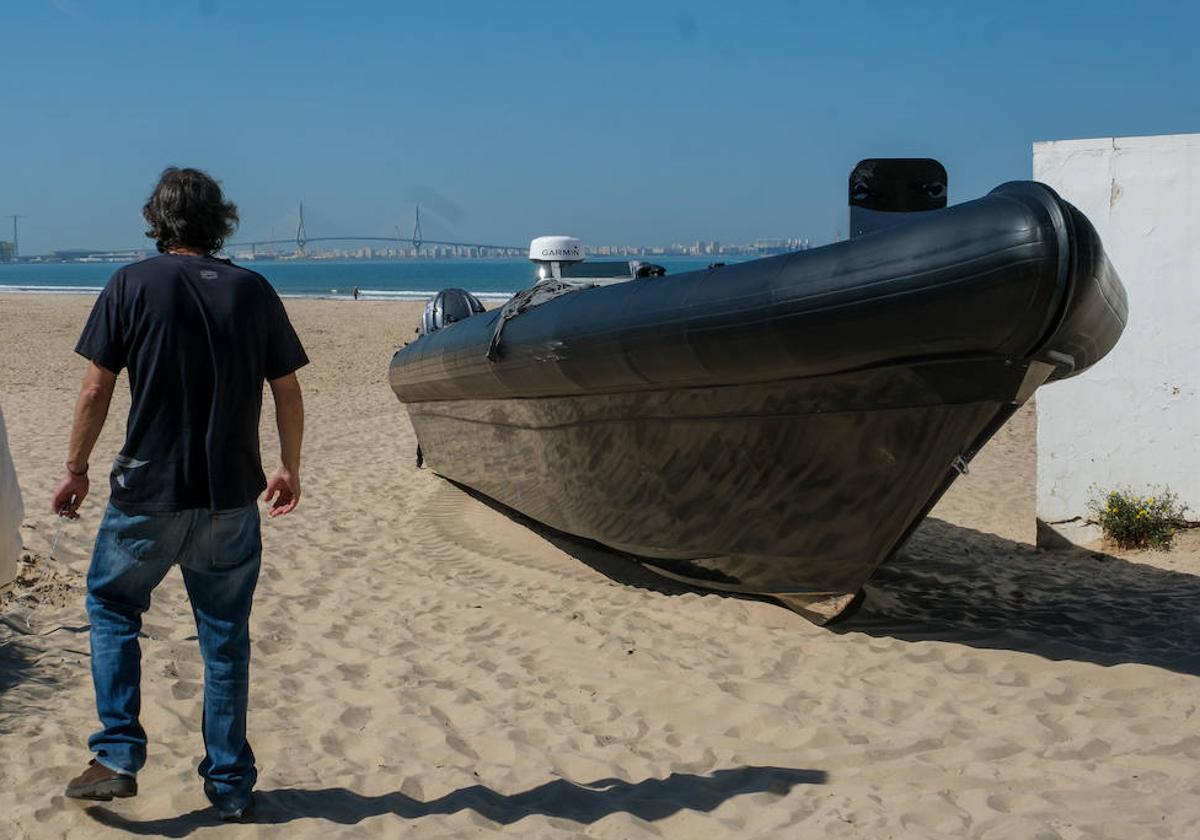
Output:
x=549 y=253
x=556 y=249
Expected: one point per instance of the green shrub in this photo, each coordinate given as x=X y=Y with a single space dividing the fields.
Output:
x=1132 y=521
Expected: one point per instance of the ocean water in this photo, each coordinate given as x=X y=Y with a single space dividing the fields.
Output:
x=376 y=280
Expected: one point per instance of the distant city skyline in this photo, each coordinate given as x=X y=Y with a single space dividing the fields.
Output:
x=761 y=246
x=620 y=123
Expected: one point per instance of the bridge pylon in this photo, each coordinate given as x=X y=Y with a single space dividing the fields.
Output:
x=301 y=235
x=416 y=237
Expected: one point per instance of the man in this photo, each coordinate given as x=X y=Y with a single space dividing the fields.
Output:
x=199 y=336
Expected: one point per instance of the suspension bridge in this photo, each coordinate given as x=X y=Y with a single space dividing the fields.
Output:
x=416 y=240
x=302 y=240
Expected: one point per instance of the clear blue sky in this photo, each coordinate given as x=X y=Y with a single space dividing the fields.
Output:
x=635 y=122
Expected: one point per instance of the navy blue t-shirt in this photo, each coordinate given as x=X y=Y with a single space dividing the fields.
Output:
x=199 y=336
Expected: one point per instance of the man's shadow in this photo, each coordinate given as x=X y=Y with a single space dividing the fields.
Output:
x=650 y=800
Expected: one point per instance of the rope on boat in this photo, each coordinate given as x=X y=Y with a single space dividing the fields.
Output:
x=527 y=299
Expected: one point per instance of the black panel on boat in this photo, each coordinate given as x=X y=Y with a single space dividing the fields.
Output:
x=883 y=191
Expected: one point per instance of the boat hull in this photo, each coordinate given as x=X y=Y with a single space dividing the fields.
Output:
x=780 y=428
x=796 y=489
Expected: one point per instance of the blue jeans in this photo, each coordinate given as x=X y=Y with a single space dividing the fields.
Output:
x=219 y=553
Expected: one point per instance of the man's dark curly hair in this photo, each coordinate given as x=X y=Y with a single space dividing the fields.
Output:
x=187 y=210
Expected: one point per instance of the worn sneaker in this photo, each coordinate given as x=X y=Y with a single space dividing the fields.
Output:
x=244 y=814
x=99 y=782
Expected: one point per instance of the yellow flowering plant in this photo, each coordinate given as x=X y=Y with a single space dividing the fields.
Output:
x=1133 y=521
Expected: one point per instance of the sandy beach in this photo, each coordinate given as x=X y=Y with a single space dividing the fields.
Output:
x=426 y=667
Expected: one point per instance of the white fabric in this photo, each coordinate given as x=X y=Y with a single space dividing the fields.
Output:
x=12 y=511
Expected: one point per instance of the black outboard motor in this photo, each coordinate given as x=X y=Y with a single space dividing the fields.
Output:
x=447 y=307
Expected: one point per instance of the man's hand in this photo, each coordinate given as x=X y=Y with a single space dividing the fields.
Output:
x=71 y=492
x=283 y=492
x=283 y=488
x=90 y=411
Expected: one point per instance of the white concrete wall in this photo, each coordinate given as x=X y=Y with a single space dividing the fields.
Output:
x=1133 y=419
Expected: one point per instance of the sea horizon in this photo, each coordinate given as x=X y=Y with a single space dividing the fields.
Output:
x=409 y=279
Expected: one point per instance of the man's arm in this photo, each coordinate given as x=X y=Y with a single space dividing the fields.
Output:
x=91 y=410
x=283 y=487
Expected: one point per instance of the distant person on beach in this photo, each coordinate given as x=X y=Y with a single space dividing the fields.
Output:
x=356 y=292
x=199 y=336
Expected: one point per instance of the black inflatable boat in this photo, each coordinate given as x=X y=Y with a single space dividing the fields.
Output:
x=777 y=426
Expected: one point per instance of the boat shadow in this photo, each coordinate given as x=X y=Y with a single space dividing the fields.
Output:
x=960 y=585
x=619 y=567
x=649 y=800
x=956 y=584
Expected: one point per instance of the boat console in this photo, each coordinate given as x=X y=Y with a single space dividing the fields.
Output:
x=560 y=259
